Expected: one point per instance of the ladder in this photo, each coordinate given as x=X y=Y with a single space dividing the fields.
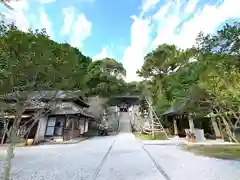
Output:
x=154 y=122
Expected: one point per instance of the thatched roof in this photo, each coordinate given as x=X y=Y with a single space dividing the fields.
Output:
x=43 y=95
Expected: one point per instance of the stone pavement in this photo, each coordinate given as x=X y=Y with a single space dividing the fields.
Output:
x=120 y=157
x=127 y=160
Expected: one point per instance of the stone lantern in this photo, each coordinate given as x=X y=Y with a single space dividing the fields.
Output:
x=104 y=115
x=145 y=114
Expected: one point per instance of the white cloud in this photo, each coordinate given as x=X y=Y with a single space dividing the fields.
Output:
x=22 y=21
x=148 y=5
x=80 y=31
x=168 y=18
x=162 y=12
x=19 y=5
x=46 y=23
x=103 y=54
x=47 y=1
x=17 y=15
x=167 y=23
x=203 y=21
x=68 y=14
x=191 y=6
x=133 y=56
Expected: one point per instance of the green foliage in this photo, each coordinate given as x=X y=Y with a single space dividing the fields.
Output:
x=106 y=78
x=157 y=136
x=132 y=89
x=31 y=61
x=196 y=79
x=216 y=151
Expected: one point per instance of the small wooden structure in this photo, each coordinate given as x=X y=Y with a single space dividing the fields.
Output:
x=124 y=102
x=63 y=117
x=178 y=120
x=183 y=124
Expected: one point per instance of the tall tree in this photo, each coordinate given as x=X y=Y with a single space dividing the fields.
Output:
x=161 y=66
x=105 y=77
x=200 y=78
x=32 y=62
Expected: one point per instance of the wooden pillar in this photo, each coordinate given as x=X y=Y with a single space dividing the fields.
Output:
x=191 y=124
x=86 y=125
x=152 y=118
x=215 y=128
x=73 y=127
x=81 y=125
x=175 y=127
x=39 y=135
x=133 y=115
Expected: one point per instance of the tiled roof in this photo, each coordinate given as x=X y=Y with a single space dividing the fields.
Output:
x=68 y=108
x=45 y=95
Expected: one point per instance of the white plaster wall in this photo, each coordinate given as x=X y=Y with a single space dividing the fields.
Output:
x=86 y=126
x=41 y=129
x=81 y=125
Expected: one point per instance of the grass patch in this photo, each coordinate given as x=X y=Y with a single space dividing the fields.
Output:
x=158 y=136
x=216 y=151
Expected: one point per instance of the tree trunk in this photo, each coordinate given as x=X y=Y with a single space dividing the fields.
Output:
x=11 y=146
x=5 y=131
x=151 y=117
x=8 y=161
x=10 y=151
x=175 y=127
x=215 y=128
x=191 y=124
x=237 y=119
x=227 y=127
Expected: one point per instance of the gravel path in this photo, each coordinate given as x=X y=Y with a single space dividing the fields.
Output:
x=182 y=165
x=60 y=162
x=119 y=157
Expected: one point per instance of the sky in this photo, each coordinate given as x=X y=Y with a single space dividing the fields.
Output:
x=123 y=29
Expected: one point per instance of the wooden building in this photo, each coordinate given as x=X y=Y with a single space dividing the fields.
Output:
x=51 y=115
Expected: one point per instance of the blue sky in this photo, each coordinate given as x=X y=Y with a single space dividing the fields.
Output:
x=123 y=29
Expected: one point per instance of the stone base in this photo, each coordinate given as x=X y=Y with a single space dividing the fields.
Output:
x=29 y=142
x=176 y=137
x=59 y=140
x=220 y=139
x=192 y=140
